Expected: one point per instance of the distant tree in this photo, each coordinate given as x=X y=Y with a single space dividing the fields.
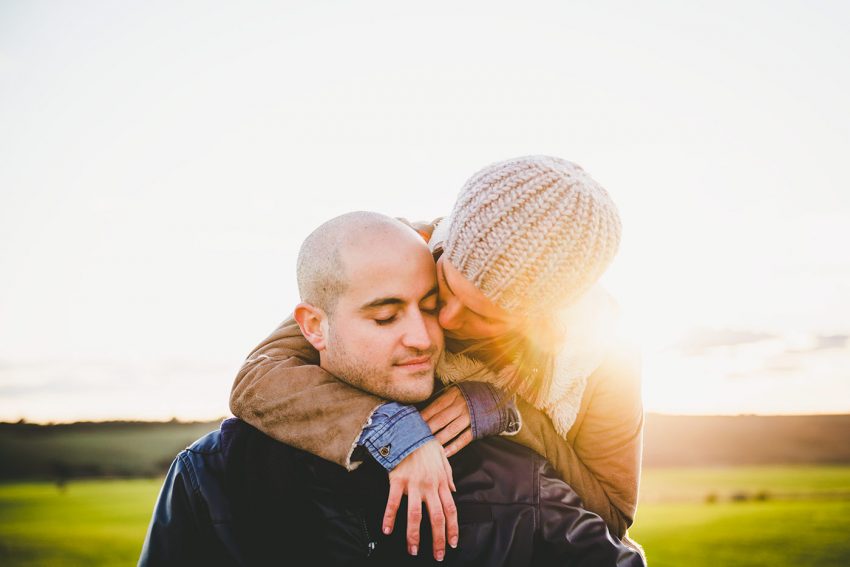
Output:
x=740 y=496
x=762 y=495
x=61 y=473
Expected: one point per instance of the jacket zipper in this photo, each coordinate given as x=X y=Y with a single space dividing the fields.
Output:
x=370 y=545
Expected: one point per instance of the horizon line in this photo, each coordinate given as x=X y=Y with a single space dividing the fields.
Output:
x=191 y=421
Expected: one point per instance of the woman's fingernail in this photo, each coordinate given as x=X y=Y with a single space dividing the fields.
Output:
x=438 y=556
x=386 y=530
x=453 y=543
x=414 y=550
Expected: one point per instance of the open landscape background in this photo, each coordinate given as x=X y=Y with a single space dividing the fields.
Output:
x=719 y=490
x=161 y=162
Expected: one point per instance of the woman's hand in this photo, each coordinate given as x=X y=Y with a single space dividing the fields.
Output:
x=425 y=476
x=449 y=420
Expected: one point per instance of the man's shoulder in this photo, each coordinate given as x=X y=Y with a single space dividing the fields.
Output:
x=209 y=443
x=227 y=448
x=221 y=439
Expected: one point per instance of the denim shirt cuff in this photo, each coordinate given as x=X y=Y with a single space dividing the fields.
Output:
x=395 y=431
x=488 y=413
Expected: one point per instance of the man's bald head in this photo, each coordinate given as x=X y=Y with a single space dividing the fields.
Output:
x=369 y=304
x=321 y=271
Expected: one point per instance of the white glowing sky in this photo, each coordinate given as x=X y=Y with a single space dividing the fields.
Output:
x=160 y=164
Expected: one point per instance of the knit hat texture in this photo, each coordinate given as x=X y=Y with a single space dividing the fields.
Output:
x=533 y=233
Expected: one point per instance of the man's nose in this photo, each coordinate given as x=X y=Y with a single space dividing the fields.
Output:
x=416 y=334
x=450 y=317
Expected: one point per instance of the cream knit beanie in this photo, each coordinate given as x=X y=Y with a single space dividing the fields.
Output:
x=532 y=233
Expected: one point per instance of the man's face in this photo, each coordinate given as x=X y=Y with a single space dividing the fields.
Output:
x=383 y=335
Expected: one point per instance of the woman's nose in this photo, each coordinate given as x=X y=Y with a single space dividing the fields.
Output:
x=451 y=314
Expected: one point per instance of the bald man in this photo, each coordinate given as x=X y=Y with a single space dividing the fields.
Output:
x=369 y=307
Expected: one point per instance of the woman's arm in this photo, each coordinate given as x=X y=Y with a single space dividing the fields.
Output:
x=601 y=456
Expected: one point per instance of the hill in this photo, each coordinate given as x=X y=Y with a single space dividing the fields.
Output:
x=86 y=449
x=695 y=441
x=139 y=449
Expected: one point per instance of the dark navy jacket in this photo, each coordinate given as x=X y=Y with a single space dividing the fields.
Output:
x=237 y=497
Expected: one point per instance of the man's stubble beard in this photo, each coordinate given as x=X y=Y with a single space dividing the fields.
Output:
x=377 y=380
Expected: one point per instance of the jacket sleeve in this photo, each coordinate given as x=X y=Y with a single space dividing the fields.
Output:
x=282 y=391
x=174 y=535
x=601 y=456
x=572 y=535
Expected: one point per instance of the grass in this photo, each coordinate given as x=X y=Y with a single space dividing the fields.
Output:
x=783 y=515
x=98 y=522
x=776 y=482
x=745 y=534
x=804 y=520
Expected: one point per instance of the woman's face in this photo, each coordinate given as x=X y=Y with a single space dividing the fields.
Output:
x=465 y=312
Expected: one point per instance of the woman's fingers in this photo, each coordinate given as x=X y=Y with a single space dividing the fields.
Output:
x=443 y=401
x=459 y=443
x=438 y=524
x=448 y=469
x=452 y=429
x=393 y=502
x=450 y=509
x=439 y=421
x=425 y=474
x=414 y=517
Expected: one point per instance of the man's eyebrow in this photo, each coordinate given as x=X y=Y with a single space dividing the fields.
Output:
x=382 y=302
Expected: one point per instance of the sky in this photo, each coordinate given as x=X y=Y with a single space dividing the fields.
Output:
x=161 y=162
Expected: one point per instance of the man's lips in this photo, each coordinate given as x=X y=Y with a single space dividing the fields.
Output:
x=419 y=361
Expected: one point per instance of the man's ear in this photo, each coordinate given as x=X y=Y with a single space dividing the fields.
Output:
x=310 y=318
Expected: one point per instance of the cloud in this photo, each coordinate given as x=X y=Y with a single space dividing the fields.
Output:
x=823 y=342
x=820 y=343
x=700 y=340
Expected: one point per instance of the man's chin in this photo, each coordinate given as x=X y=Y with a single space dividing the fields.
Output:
x=414 y=389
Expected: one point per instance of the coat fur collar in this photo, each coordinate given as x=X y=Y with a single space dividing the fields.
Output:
x=588 y=326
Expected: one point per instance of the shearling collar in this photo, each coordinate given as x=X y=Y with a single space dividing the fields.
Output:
x=588 y=326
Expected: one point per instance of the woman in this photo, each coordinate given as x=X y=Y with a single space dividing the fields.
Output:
x=518 y=260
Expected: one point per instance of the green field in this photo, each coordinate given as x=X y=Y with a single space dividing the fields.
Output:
x=747 y=534
x=98 y=522
x=782 y=516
